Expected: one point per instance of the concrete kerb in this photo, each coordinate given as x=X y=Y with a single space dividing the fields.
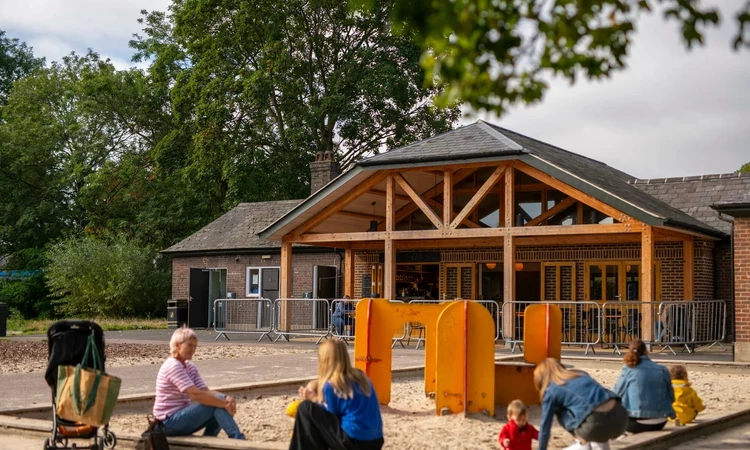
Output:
x=679 y=435
x=13 y=425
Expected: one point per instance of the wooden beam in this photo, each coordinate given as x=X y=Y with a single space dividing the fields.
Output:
x=434 y=191
x=510 y=209
x=509 y=269
x=390 y=189
x=383 y=194
x=447 y=196
x=688 y=267
x=618 y=238
x=418 y=201
x=349 y=272
x=579 y=214
x=339 y=204
x=575 y=193
x=357 y=215
x=389 y=276
x=647 y=282
x=437 y=205
x=478 y=196
x=558 y=208
x=286 y=286
x=496 y=233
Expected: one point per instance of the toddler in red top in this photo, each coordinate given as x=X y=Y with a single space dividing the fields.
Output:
x=517 y=433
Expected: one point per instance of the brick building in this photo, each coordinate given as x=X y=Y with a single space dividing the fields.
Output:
x=435 y=220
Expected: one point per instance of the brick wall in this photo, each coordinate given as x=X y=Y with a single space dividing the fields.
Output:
x=704 y=270
x=723 y=288
x=236 y=266
x=741 y=240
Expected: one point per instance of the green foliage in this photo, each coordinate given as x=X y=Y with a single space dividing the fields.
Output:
x=114 y=278
x=16 y=61
x=494 y=53
x=745 y=168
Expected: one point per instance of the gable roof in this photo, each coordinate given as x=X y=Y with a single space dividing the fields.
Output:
x=696 y=195
x=484 y=141
x=237 y=229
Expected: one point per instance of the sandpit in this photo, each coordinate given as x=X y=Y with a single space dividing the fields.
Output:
x=410 y=421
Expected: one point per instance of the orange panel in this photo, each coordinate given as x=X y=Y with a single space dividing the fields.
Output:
x=515 y=381
x=542 y=333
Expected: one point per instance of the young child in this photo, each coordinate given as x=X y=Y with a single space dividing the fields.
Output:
x=291 y=409
x=517 y=433
x=686 y=404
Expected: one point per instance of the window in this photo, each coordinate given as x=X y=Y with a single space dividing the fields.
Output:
x=253 y=282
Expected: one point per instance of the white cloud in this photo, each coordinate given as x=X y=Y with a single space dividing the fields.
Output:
x=671 y=113
x=55 y=28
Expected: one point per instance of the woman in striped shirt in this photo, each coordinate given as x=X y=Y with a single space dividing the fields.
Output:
x=179 y=383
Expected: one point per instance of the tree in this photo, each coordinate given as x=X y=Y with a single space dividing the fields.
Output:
x=494 y=53
x=16 y=61
x=745 y=168
x=265 y=85
x=107 y=278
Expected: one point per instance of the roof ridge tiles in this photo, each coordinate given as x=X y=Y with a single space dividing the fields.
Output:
x=711 y=176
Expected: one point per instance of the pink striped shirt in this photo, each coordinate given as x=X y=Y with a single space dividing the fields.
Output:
x=173 y=380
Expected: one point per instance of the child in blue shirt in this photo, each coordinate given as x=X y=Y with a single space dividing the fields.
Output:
x=349 y=417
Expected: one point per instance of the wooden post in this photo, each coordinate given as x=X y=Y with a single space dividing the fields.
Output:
x=509 y=285
x=285 y=290
x=510 y=209
x=389 y=275
x=647 y=282
x=389 y=282
x=349 y=272
x=447 y=196
x=688 y=266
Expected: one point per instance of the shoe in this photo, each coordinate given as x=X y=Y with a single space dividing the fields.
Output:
x=600 y=446
x=578 y=446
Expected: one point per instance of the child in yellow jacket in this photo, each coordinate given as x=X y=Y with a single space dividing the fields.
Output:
x=686 y=404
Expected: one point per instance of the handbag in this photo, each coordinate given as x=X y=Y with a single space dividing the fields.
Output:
x=86 y=394
x=155 y=437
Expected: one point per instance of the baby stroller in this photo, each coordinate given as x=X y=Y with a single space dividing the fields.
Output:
x=66 y=340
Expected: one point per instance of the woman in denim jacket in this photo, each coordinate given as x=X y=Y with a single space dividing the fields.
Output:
x=583 y=407
x=646 y=390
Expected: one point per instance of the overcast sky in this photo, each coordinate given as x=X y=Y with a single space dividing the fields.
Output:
x=671 y=113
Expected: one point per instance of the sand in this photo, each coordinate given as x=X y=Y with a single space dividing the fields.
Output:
x=410 y=421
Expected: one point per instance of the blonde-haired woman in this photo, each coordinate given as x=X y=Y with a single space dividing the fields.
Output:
x=178 y=383
x=592 y=413
x=344 y=412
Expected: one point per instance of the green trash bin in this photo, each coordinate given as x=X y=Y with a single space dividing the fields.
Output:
x=176 y=313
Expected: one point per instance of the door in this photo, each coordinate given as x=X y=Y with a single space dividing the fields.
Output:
x=269 y=288
x=199 y=291
x=324 y=286
x=217 y=289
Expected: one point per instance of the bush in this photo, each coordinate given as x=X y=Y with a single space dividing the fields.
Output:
x=100 y=278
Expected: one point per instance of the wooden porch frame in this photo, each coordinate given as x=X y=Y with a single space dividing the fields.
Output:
x=419 y=201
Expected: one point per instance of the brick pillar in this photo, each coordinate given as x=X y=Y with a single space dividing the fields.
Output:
x=741 y=242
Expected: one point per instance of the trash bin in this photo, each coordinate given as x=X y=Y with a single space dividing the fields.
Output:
x=3 y=319
x=177 y=311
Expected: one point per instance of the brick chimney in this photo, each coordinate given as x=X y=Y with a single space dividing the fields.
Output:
x=322 y=170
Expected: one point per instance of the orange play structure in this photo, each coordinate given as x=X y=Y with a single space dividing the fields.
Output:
x=460 y=368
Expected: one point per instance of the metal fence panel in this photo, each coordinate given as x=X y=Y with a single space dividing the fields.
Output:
x=307 y=317
x=690 y=323
x=243 y=316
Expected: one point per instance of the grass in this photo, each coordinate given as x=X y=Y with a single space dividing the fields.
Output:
x=20 y=326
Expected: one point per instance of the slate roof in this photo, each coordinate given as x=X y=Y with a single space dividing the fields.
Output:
x=237 y=229
x=695 y=195
x=609 y=185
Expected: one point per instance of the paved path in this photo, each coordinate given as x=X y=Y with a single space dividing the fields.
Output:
x=732 y=439
x=9 y=442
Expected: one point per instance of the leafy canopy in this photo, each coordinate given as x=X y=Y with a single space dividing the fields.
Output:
x=494 y=53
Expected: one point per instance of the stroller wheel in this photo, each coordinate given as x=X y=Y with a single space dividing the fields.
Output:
x=109 y=440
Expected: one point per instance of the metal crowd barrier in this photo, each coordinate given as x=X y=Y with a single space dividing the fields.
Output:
x=690 y=323
x=621 y=322
x=497 y=315
x=581 y=324
x=307 y=317
x=344 y=324
x=243 y=316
